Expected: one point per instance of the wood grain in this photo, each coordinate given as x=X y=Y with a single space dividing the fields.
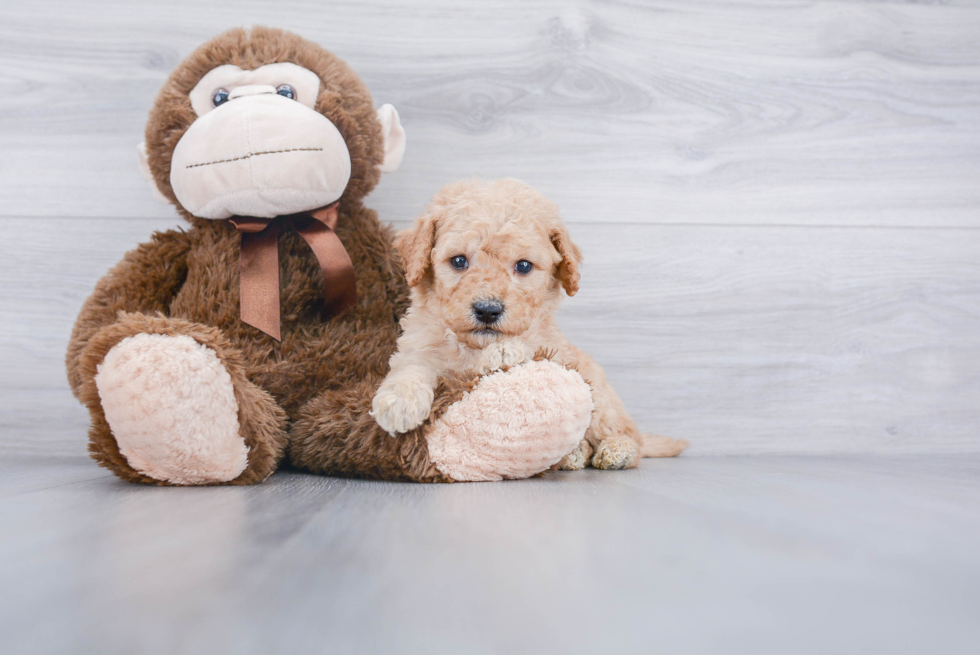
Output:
x=760 y=555
x=778 y=201
x=741 y=339
x=809 y=113
x=747 y=339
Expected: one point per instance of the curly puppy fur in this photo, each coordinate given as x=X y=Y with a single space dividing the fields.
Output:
x=492 y=226
x=186 y=283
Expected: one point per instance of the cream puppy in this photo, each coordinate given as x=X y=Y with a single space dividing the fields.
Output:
x=486 y=264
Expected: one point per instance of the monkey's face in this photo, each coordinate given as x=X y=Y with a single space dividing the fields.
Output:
x=261 y=138
x=258 y=147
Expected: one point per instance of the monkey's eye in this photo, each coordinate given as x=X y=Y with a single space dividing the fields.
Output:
x=459 y=262
x=286 y=91
x=523 y=267
x=219 y=97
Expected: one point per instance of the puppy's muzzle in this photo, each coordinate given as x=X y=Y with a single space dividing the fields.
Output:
x=488 y=312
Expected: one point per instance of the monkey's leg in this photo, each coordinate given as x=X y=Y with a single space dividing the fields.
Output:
x=335 y=435
x=507 y=425
x=170 y=404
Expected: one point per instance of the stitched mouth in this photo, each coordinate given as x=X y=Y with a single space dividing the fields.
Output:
x=254 y=154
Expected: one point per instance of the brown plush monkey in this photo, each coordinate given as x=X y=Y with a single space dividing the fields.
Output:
x=208 y=355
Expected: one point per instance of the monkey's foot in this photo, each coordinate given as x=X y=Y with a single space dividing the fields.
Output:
x=514 y=424
x=171 y=406
x=616 y=453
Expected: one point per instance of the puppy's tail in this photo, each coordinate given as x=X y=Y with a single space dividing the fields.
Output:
x=662 y=446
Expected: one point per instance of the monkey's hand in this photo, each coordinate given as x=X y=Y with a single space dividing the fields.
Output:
x=503 y=355
x=403 y=402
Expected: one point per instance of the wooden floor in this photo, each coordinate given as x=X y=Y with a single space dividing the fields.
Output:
x=696 y=555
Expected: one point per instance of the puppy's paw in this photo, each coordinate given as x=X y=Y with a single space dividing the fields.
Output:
x=399 y=407
x=616 y=453
x=503 y=355
x=577 y=459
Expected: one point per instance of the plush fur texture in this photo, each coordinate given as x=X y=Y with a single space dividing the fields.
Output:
x=305 y=398
x=171 y=405
x=185 y=283
x=262 y=423
x=492 y=230
x=532 y=400
x=344 y=99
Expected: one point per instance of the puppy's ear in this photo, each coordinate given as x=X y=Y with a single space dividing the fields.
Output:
x=571 y=257
x=415 y=244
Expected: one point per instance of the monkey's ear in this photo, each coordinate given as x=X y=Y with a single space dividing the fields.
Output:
x=394 y=137
x=571 y=257
x=415 y=244
x=145 y=170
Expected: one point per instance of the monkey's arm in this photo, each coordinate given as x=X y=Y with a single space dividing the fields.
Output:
x=146 y=281
x=379 y=240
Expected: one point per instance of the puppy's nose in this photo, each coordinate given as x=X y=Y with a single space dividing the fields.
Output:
x=488 y=311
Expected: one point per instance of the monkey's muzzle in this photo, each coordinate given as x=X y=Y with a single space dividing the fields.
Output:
x=259 y=155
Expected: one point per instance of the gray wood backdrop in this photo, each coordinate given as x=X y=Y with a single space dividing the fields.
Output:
x=779 y=202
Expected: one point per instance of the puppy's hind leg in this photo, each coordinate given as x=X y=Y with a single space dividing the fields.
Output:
x=616 y=453
x=615 y=439
x=577 y=459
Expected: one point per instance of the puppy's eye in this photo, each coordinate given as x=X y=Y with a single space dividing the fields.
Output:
x=523 y=267
x=286 y=91
x=459 y=262
x=219 y=97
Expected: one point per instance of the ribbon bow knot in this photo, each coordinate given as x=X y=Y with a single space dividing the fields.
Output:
x=260 y=264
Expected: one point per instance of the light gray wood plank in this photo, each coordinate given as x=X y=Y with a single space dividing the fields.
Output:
x=46 y=272
x=748 y=339
x=20 y=474
x=694 y=555
x=813 y=113
x=739 y=339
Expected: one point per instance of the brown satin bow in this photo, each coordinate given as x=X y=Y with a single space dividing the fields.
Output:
x=260 y=264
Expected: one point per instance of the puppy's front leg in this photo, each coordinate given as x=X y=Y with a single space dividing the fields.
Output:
x=503 y=354
x=404 y=400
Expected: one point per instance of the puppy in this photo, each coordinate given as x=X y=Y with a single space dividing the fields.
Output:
x=486 y=265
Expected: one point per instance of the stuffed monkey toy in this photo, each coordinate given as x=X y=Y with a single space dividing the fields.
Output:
x=259 y=335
